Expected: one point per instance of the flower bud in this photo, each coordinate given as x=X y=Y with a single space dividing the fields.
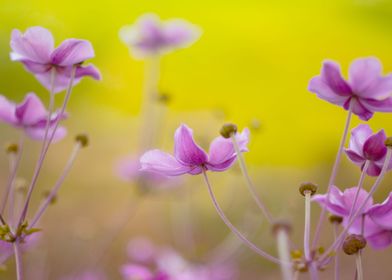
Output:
x=53 y=200
x=335 y=219
x=353 y=243
x=281 y=225
x=12 y=148
x=228 y=130
x=164 y=98
x=82 y=139
x=307 y=187
x=388 y=142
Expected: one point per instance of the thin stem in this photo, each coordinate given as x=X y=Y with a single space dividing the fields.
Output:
x=57 y=186
x=221 y=214
x=313 y=271
x=358 y=262
x=284 y=253
x=336 y=257
x=248 y=181
x=14 y=166
x=359 y=211
x=46 y=148
x=333 y=176
x=150 y=95
x=307 y=252
x=18 y=260
x=359 y=187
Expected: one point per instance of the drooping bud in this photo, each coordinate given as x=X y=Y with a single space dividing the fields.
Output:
x=388 y=142
x=333 y=219
x=164 y=98
x=353 y=243
x=12 y=148
x=228 y=130
x=281 y=225
x=307 y=187
x=82 y=139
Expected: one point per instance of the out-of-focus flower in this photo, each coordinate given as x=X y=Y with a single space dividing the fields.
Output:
x=366 y=146
x=190 y=158
x=35 y=49
x=150 y=36
x=340 y=204
x=87 y=275
x=31 y=116
x=141 y=250
x=366 y=89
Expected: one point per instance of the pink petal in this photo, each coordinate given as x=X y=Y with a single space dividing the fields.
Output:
x=7 y=111
x=359 y=135
x=354 y=157
x=163 y=163
x=349 y=195
x=381 y=214
x=179 y=33
x=324 y=91
x=71 y=52
x=31 y=110
x=380 y=240
x=38 y=133
x=186 y=150
x=36 y=45
x=136 y=272
x=373 y=169
x=36 y=68
x=331 y=75
x=364 y=74
x=358 y=109
x=373 y=105
x=89 y=70
x=374 y=147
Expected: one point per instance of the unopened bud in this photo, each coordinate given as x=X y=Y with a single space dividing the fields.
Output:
x=353 y=243
x=335 y=219
x=388 y=142
x=12 y=148
x=308 y=187
x=228 y=130
x=82 y=139
x=281 y=225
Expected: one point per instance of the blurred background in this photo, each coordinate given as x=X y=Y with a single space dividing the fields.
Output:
x=251 y=66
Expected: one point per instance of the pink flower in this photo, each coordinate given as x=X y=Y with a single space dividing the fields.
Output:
x=31 y=116
x=340 y=204
x=381 y=214
x=366 y=89
x=365 y=146
x=87 y=275
x=190 y=158
x=149 y=36
x=35 y=49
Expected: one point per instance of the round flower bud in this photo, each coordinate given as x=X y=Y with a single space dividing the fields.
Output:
x=281 y=225
x=82 y=139
x=335 y=219
x=353 y=244
x=307 y=187
x=12 y=148
x=228 y=129
x=388 y=142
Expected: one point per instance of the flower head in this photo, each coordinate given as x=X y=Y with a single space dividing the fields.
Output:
x=31 y=116
x=190 y=158
x=35 y=49
x=366 y=89
x=366 y=146
x=370 y=221
x=149 y=36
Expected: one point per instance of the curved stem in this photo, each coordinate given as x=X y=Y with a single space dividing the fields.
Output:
x=57 y=186
x=333 y=176
x=221 y=214
x=248 y=181
x=14 y=166
x=359 y=211
x=18 y=260
x=46 y=148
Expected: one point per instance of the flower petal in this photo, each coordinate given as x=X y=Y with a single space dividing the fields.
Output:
x=179 y=33
x=36 y=45
x=89 y=70
x=349 y=195
x=374 y=147
x=222 y=153
x=354 y=157
x=136 y=272
x=381 y=214
x=186 y=150
x=324 y=91
x=380 y=240
x=358 y=108
x=31 y=110
x=71 y=52
x=373 y=105
x=363 y=74
x=335 y=203
x=373 y=169
x=7 y=111
x=163 y=163
x=38 y=133
x=359 y=135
